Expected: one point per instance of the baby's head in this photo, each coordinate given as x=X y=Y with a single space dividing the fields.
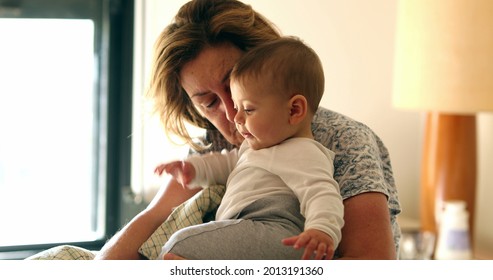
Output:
x=284 y=76
x=289 y=64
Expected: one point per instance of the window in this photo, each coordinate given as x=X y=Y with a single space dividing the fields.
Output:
x=65 y=103
x=49 y=118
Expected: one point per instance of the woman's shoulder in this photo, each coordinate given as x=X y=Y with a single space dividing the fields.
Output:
x=334 y=129
x=325 y=117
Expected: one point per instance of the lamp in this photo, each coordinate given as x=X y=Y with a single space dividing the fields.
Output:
x=444 y=66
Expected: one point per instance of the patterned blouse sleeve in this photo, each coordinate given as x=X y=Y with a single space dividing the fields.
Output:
x=362 y=162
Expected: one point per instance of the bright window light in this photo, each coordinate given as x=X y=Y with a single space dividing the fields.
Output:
x=48 y=126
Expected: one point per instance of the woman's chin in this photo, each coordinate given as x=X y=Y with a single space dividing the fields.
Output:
x=233 y=137
x=236 y=139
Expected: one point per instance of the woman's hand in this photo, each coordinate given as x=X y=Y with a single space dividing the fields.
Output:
x=315 y=242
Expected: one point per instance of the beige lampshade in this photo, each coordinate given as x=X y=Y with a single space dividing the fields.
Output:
x=444 y=56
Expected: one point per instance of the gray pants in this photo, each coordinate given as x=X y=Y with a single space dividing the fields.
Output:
x=255 y=234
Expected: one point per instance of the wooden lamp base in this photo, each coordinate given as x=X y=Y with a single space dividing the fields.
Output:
x=448 y=166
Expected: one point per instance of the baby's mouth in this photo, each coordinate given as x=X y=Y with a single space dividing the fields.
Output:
x=245 y=134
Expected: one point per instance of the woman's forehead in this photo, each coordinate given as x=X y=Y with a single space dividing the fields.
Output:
x=211 y=67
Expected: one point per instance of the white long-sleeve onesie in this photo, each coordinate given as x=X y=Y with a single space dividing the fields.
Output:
x=298 y=165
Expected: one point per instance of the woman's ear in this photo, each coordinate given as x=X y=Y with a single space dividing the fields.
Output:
x=299 y=109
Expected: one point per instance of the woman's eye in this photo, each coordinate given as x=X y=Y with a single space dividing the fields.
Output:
x=211 y=104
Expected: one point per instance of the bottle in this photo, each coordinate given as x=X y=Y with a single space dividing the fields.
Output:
x=453 y=235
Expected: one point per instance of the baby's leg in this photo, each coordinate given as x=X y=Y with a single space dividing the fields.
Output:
x=232 y=239
x=256 y=234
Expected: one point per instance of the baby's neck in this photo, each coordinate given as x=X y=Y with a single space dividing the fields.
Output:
x=304 y=130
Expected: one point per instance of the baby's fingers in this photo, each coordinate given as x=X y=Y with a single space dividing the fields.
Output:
x=310 y=248
x=173 y=168
x=290 y=241
x=321 y=252
x=159 y=169
x=304 y=240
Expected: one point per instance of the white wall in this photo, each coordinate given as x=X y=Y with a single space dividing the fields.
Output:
x=355 y=40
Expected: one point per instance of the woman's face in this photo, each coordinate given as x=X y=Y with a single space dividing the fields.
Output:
x=206 y=81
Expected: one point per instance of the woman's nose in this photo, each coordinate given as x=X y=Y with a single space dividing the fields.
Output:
x=230 y=110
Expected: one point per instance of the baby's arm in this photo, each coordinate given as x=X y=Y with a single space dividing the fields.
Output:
x=182 y=171
x=315 y=242
x=201 y=170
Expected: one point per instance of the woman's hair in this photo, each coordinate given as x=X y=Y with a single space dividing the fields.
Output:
x=288 y=64
x=199 y=23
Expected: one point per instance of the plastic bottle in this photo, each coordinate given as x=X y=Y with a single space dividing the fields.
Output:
x=453 y=236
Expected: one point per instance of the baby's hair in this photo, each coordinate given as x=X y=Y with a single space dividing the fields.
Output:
x=288 y=63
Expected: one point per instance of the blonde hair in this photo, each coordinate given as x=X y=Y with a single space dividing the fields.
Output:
x=289 y=64
x=199 y=23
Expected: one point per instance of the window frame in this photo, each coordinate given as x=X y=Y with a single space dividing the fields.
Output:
x=113 y=21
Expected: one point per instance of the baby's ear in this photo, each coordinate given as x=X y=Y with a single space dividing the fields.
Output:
x=299 y=109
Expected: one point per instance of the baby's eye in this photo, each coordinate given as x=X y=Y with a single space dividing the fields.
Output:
x=249 y=110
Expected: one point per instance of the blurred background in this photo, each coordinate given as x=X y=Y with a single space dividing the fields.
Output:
x=77 y=153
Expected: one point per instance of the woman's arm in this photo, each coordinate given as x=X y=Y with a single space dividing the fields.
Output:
x=126 y=243
x=367 y=232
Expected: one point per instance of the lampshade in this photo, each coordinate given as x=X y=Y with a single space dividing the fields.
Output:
x=444 y=56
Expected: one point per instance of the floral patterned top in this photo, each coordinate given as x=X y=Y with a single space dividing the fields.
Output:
x=361 y=164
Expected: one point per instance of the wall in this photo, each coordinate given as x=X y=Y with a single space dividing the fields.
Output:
x=355 y=40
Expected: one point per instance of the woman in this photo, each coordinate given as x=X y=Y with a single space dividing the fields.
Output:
x=190 y=83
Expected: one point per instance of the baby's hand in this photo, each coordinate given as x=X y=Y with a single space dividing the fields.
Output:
x=182 y=171
x=315 y=242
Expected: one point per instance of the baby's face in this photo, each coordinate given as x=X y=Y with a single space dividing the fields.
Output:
x=262 y=113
